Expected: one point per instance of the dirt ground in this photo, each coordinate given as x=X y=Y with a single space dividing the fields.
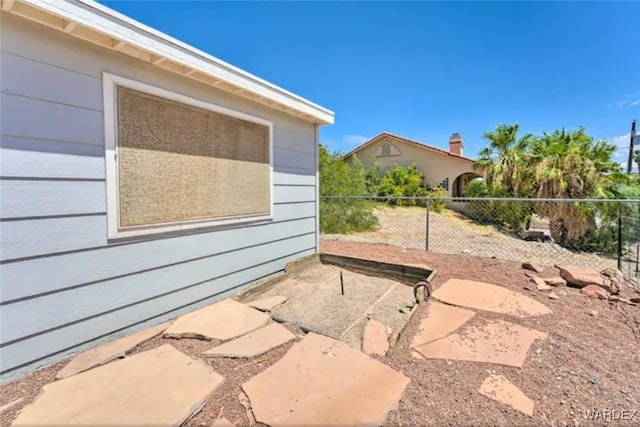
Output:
x=451 y=232
x=590 y=360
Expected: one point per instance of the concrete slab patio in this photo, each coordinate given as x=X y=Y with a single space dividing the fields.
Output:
x=321 y=382
x=325 y=310
x=161 y=387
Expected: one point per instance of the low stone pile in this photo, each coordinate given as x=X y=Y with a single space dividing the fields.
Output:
x=605 y=284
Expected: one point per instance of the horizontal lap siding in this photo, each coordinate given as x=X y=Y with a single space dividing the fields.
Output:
x=65 y=307
x=52 y=345
x=55 y=259
x=64 y=234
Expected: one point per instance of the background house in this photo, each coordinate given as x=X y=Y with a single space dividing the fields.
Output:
x=140 y=179
x=448 y=169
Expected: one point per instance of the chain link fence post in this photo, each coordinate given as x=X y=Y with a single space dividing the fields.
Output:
x=620 y=237
x=637 y=230
x=426 y=243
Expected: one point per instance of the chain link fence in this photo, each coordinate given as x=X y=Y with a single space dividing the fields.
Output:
x=595 y=233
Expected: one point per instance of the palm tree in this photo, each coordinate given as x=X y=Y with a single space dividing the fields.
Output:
x=570 y=165
x=505 y=161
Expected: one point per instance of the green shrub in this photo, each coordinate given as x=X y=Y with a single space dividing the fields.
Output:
x=603 y=240
x=401 y=181
x=437 y=204
x=373 y=178
x=479 y=210
x=342 y=216
x=341 y=178
x=477 y=188
x=512 y=215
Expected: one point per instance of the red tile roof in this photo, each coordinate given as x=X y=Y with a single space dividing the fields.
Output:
x=410 y=141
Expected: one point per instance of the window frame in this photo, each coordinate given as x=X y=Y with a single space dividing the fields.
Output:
x=110 y=83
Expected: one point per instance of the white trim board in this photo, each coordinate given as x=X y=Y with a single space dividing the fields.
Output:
x=98 y=24
x=109 y=84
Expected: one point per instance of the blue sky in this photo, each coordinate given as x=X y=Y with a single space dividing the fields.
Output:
x=425 y=70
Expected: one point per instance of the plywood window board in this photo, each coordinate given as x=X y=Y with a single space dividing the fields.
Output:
x=181 y=163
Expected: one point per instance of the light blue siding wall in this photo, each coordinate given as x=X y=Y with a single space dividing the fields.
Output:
x=63 y=286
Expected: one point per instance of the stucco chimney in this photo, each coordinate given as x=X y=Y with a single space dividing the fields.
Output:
x=456 y=143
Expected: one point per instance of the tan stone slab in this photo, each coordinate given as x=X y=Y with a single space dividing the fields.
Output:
x=499 y=342
x=254 y=343
x=223 y=320
x=321 y=381
x=499 y=388
x=108 y=352
x=157 y=387
x=268 y=303
x=488 y=297
x=374 y=339
x=441 y=320
x=223 y=422
x=541 y=285
x=5 y=408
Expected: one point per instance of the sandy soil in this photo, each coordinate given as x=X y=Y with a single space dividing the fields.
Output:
x=588 y=362
x=453 y=233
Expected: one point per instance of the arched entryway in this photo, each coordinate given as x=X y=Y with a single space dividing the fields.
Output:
x=461 y=182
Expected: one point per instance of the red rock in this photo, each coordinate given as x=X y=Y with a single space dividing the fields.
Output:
x=375 y=340
x=554 y=281
x=532 y=267
x=580 y=276
x=595 y=291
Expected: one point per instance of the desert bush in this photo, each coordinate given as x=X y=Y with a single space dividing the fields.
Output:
x=437 y=204
x=512 y=215
x=403 y=181
x=341 y=178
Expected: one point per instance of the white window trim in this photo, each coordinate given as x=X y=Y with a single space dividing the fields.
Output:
x=109 y=84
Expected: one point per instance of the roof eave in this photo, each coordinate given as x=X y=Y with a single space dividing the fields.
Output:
x=406 y=140
x=100 y=25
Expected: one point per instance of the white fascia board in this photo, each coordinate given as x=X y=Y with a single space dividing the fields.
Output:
x=113 y=24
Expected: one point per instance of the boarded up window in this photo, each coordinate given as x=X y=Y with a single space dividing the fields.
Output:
x=181 y=163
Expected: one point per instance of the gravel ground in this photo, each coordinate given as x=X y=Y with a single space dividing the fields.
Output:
x=588 y=362
x=453 y=233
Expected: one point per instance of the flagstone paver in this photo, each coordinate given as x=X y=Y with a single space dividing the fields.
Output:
x=254 y=343
x=223 y=320
x=325 y=382
x=374 y=340
x=268 y=303
x=488 y=297
x=162 y=386
x=108 y=352
x=499 y=342
x=499 y=388
x=441 y=320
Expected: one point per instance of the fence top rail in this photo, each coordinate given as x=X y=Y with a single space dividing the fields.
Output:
x=485 y=199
